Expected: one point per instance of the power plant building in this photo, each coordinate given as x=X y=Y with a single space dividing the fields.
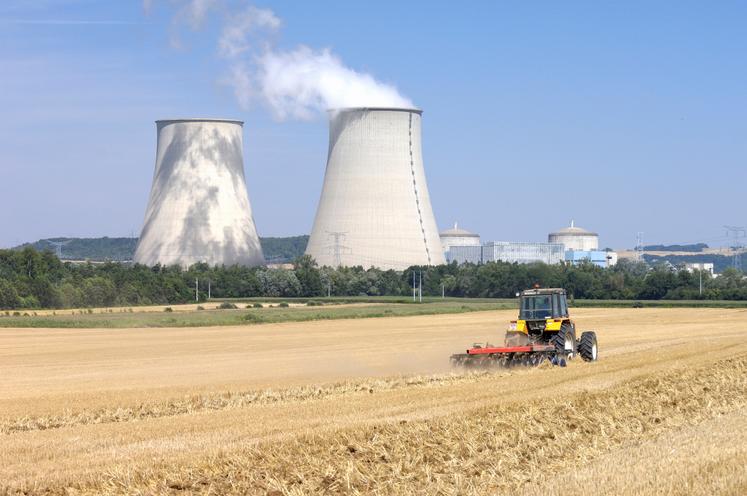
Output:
x=465 y=254
x=507 y=251
x=572 y=245
x=575 y=238
x=199 y=209
x=523 y=252
x=460 y=238
x=375 y=209
x=597 y=257
x=582 y=246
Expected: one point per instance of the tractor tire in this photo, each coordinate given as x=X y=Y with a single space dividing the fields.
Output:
x=565 y=342
x=587 y=347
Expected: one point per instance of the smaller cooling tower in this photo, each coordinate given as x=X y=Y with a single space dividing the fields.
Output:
x=199 y=209
x=375 y=209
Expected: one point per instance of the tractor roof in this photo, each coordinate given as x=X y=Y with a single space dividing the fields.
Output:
x=542 y=291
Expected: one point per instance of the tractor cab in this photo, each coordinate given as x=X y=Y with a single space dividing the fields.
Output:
x=542 y=304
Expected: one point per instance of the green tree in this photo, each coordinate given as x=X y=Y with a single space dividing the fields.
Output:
x=308 y=276
x=8 y=295
x=657 y=283
x=279 y=282
x=70 y=296
x=98 y=292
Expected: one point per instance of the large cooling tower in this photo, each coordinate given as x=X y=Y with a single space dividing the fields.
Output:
x=199 y=209
x=375 y=209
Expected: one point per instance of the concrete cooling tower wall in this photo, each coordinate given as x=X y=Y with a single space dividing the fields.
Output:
x=199 y=208
x=375 y=209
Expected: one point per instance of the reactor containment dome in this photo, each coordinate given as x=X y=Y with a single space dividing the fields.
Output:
x=575 y=238
x=375 y=210
x=199 y=208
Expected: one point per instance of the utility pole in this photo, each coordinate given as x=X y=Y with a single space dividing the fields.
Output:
x=197 y=290
x=420 y=287
x=700 y=279
x=209 y=283
x=329 y=289
x=736 y=232
x=413 y=286
x=443 y=291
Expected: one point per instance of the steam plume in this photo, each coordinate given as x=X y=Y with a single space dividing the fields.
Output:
x=297 y=83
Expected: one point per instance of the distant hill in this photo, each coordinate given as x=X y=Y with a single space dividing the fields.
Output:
x=279 y=250
x=697 y=247
x=276 y=250
x=96 y=249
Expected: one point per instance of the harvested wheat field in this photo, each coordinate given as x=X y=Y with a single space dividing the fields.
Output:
x=370 y=406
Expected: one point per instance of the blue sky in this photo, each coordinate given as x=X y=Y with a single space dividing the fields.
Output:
x=625 y=116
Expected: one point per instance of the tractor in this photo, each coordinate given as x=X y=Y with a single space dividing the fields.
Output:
x=543 y=331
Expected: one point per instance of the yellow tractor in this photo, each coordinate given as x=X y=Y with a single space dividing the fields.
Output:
x=543 y=331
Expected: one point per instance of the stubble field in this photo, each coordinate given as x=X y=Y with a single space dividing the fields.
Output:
x=371 y=406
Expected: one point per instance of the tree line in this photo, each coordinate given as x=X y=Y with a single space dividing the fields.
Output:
x=33 y=279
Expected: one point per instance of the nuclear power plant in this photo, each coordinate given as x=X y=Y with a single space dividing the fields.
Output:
x=199 y=208
x=375 y=210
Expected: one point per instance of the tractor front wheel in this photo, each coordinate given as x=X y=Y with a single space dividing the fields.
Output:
x=587 y=348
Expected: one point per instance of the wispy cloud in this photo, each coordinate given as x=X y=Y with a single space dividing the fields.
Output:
x=238 y=29
x=69 y=22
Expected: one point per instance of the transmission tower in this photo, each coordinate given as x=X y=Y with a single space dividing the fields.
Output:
x=736 y=233
x=336 y=248
x=639 y=246
x=58 y=246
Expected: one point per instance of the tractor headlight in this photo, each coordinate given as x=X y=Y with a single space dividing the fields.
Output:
x=512 y=326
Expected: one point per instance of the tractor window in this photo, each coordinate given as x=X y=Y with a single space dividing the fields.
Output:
x=536 y=307
x=555 y=306
x=563 y=306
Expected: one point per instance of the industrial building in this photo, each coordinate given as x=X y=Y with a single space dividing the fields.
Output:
x=457 y=237
x=582 y=246
x=572 y=245
x=464 y=254
x=597 y=257
x=701 y=266
x=522 y=252
x=375 y=210
x=199 y=209
x=507 y=251
x=575 y=238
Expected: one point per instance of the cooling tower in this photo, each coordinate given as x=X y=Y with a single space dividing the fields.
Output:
x=199 y=209
x=375 y=209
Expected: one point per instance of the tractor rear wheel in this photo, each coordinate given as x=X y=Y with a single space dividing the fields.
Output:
x=587 y=348
x=565 y=341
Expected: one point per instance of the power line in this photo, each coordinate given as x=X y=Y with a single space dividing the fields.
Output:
x=735 y=233
x=58 y=246
x=337 y=248
x=639 y=246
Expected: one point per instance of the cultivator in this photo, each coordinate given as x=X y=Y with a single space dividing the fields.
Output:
x=544 y=333
x=480 y=356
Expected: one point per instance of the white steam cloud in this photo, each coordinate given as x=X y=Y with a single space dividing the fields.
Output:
x=297 y=83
